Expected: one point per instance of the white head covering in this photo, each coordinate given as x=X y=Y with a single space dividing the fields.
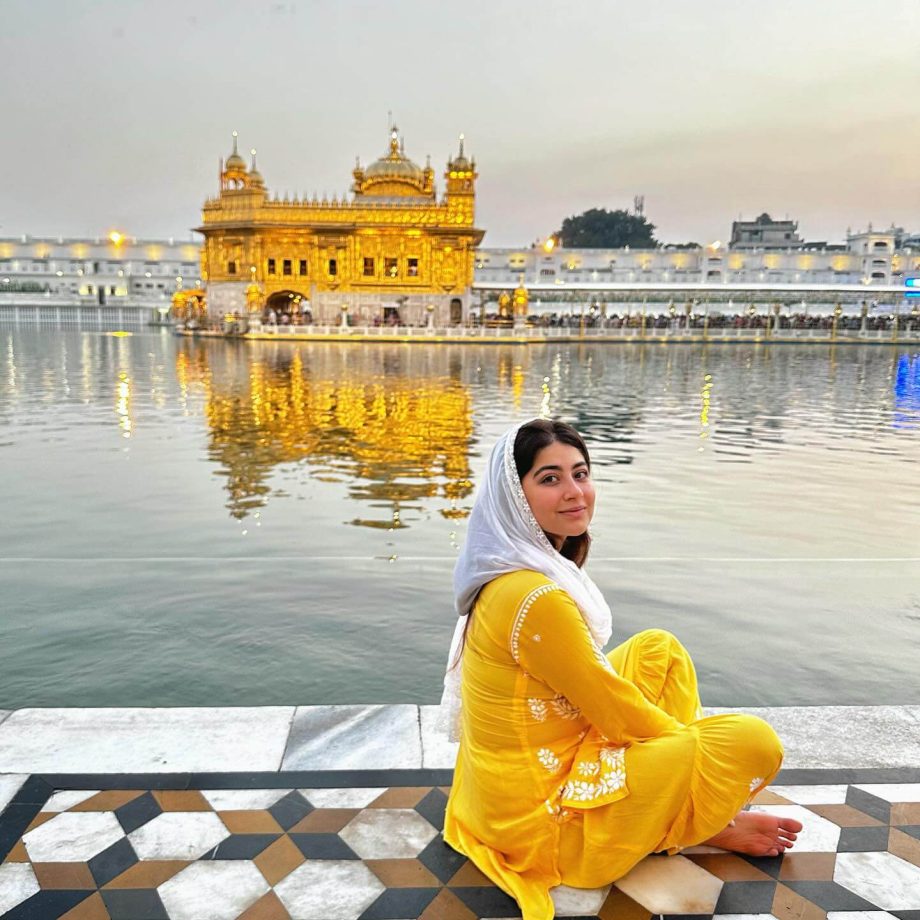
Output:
x=503 y=536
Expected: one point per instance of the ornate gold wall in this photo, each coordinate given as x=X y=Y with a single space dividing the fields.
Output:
x=393 y=245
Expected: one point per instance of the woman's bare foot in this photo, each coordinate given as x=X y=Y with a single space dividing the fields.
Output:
x=758 y=834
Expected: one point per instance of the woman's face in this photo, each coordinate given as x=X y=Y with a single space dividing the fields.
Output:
x=560 y=491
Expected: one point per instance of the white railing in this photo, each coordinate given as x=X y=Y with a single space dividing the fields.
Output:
x=574 y=332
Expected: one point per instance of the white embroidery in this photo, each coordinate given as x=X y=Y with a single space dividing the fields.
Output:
x=609 y=774
x=556 y=810
x=537 y=708
x=511 y=475
x=603 y=660
x=536 y=637
x=522 y=612
x=613 y=781
x=580 y=791
x=755 y=782
x=562 y=707
x=613 y=757
x=549 y=760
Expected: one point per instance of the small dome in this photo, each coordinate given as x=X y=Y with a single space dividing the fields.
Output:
x=460 y=161
x=235 y=161
x=255 y=177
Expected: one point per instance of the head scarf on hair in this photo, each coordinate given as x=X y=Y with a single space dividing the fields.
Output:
x=504 y=536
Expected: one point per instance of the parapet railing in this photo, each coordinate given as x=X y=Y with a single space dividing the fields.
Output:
x=538 y=333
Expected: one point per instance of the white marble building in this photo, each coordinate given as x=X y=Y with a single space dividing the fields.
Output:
x=114 y=279
x=870 y=259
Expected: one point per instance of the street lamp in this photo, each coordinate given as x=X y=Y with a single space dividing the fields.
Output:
x=344 y=309
x=430 y=309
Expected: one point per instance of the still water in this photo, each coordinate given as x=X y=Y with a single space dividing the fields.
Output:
x=208 y=523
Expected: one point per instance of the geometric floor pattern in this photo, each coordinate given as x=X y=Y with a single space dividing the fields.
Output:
x=365 y=845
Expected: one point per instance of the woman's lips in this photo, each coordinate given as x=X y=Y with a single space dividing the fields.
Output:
x=574 y=511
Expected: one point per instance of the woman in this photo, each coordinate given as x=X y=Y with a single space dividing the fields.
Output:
x=574 y=765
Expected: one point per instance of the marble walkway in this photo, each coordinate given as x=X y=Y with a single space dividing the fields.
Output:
x=334 y=813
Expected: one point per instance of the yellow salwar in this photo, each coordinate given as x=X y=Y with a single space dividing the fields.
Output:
x=574 y=765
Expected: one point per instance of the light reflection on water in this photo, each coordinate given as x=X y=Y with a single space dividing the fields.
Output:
x=208 y=523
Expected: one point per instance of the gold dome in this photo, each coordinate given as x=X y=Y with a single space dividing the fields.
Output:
x=235 y=161
x=395 y=165
x=255 y=177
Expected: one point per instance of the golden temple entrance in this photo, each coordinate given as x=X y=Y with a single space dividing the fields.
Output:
x=287 y=308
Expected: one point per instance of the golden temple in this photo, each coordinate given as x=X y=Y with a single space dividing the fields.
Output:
x=393 y=253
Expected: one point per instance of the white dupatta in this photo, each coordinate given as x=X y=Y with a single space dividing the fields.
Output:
x=503 y=536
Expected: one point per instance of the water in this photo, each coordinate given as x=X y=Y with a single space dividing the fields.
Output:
x=210 y=523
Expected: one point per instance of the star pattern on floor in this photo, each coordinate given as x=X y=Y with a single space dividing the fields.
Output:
x=367 y=846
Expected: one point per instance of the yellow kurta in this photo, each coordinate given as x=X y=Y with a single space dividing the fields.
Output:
x=574 y=765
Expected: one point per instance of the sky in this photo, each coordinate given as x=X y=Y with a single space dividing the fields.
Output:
x=116 y=112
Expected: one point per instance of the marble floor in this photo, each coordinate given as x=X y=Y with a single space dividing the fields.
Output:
x=366 y=845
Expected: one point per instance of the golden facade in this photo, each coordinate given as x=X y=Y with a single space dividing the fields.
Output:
x=393 y=252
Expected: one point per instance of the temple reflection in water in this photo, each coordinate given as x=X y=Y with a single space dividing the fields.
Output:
x=393 y=433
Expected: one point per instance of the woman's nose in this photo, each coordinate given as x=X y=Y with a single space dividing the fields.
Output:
x=573 y=488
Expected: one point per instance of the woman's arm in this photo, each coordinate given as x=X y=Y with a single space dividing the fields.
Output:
x=551 y=641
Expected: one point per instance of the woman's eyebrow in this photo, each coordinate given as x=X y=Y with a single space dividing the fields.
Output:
x=555 y=467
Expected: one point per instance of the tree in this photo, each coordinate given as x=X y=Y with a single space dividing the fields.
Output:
x=599 y=228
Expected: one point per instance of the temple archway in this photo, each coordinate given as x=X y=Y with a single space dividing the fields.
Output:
x=291 y=304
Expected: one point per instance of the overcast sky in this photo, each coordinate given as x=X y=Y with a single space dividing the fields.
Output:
x=115 y=112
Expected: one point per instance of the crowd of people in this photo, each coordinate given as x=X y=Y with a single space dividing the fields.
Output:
x=663 y=320
x=905 y=322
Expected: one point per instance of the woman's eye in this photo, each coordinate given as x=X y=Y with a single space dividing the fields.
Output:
x=581 y=474
x=548 y=480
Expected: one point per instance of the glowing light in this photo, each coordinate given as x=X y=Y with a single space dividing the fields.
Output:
x=549 y=245
x=116 y=238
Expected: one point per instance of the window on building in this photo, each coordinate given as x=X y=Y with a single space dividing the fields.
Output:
x=286 y=267
x=231 y=268
x=547 y=272
x=112 y=289
x=271 y=266
x=368 y=266
x=391 y=267
x=412 y=268
x=302 y=268
x=333 y=267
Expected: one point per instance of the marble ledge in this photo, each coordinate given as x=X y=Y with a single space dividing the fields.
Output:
x=179 y=740
x=391 y=736
x=385 y=737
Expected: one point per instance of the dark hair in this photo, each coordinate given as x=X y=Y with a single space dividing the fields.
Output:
x=531 y=439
